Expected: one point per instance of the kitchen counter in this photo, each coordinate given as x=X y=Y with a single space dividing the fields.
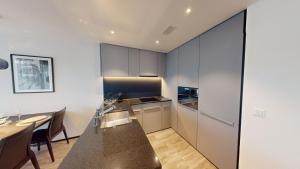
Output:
x=125 y=147
x=126 y=104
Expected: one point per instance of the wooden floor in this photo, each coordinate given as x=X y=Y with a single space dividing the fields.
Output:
x=172 y=150
x=60 y=150
x=175 y=153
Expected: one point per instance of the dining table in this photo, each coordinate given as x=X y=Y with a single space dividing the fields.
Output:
x=14 y=126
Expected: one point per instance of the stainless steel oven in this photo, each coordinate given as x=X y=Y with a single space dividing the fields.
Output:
x=188 y=96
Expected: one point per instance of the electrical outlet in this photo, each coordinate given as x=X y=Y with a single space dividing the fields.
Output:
x=259 y=113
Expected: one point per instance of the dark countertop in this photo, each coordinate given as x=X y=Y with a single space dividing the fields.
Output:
x=126 y=104
x=125 y=147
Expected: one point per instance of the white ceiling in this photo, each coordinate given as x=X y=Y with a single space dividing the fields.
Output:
x=137 y=23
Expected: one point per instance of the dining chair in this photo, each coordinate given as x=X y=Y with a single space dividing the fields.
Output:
x=15 y=150
x=55 y=127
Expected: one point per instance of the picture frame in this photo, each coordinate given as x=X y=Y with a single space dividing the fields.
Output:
x=32 y=74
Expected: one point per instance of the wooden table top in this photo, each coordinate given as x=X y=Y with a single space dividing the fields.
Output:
x=12 y=128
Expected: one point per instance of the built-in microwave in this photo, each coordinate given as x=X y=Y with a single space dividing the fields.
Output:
x=188 y=96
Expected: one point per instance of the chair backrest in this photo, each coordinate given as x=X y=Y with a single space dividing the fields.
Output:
x=56 y=123
x=14 y=150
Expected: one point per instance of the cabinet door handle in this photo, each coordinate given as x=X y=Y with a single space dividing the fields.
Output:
x=218 y=119
x=152 y=109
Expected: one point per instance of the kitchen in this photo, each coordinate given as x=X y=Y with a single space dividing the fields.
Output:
x=184 y=88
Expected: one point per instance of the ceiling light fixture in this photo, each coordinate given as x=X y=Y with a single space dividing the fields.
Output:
x=157 y=41
x=188 y=11
x=83 y=21
x=112 y=32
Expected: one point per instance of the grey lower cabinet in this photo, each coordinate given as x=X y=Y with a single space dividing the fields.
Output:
x=138 y=113
x=149 y=63
x=166 y=115
x=187 y=124
x=171 y=79
x=114 y=60
x=220 y=72
x=188 y=64
x=153 y=116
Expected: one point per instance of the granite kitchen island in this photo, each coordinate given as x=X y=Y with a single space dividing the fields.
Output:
x=122 y=147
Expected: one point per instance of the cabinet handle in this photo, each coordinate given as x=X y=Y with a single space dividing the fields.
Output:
x=218 y=119
x=152 y=109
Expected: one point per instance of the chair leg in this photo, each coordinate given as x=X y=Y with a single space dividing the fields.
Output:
x=39 y=146
x=50 y=149
x=66 y=136
x=34 y=160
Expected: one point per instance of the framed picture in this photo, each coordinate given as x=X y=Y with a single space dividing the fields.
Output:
x=32 y=74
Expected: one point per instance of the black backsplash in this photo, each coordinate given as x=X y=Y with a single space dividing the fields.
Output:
x=132 y=87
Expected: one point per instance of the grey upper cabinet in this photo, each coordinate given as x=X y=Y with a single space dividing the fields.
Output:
x=161 y=64
x=114 y=60
x=188 y=64
x=220 y=72
x=148 y=63
x=171 y=84
x=134 y=62
x=122 y=61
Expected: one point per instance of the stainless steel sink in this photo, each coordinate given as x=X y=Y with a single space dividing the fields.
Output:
x=115 y=119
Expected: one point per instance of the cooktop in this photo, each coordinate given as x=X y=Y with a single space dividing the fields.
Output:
x=148 y=99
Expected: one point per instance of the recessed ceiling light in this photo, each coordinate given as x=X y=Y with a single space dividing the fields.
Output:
x=188 y=10
x=112 y=32
x=83 y=21
x=157 y=41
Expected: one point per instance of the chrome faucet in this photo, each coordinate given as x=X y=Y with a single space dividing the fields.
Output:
x=103 y=112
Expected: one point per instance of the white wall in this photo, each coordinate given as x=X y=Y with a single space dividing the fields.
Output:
x=76 y=70
x=272 y=83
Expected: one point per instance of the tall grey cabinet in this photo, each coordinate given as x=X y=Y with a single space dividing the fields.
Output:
x=188 y=68
x=221 y=58
x=171 y=84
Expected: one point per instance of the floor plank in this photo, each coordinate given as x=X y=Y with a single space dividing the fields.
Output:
x=175 y=153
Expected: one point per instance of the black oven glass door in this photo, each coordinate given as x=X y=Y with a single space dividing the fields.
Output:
x=188 y=96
